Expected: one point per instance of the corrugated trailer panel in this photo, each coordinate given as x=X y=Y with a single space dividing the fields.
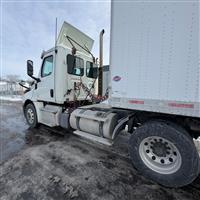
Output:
x=154 y=56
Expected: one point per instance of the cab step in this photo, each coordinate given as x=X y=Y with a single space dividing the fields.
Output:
x=94 y=138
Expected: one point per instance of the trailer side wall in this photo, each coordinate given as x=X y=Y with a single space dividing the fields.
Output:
x=154 y=56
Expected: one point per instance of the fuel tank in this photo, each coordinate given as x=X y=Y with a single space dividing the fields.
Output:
x=99 y=123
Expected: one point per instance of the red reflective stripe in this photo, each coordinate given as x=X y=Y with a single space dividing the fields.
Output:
x=181 y=105
x=136 y=101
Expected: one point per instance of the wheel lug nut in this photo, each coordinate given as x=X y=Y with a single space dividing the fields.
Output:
x=153 y=157
x=147 y=151
x=162 y=161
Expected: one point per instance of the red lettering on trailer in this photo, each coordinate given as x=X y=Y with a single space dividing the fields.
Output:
x=136 y=101
x=181 y=105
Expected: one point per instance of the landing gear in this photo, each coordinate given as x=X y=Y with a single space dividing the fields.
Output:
x=165 y=153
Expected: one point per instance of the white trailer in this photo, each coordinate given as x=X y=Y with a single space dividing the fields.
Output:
x=154 y=87
x=154 y=56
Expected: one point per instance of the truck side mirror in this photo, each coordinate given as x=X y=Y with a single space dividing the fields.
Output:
x=30 y=67
x=30 y=70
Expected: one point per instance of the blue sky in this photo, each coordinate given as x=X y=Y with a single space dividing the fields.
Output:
x=28 y=27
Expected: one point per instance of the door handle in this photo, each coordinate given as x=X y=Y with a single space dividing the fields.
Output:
x=51 y=92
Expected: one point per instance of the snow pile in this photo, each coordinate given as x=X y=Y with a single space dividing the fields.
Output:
x=11 y=98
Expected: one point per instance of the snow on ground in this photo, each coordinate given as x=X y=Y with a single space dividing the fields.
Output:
x=11 y=98
x=3 y=83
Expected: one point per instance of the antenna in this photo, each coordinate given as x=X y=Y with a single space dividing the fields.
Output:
x=56 y=34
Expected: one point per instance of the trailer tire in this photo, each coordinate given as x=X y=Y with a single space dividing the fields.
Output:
x=165 y=153
x=31 y=115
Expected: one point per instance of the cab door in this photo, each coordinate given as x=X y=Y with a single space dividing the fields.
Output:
x=45 y=88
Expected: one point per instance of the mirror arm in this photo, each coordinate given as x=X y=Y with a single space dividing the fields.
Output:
x=24 y=86
x=37 y=79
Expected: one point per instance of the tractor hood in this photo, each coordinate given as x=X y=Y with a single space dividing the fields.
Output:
x=70 y=31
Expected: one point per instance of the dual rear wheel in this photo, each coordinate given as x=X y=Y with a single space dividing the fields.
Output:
x=165 y=153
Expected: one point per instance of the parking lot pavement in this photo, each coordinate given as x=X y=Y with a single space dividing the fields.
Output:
x=12 y=130
x=42 y=165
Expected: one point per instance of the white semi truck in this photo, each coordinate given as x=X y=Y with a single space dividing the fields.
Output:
x=153 y=90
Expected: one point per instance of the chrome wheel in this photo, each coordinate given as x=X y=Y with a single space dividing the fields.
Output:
x=30 y=116
x=160 y=155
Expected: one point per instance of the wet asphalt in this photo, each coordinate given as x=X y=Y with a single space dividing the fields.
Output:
x=54 y=164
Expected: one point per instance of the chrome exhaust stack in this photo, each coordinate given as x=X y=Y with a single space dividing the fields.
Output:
x=100 y=78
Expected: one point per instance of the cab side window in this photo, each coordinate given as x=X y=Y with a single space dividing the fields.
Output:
x=75 y=65
x=91 y=70
x=47 y=66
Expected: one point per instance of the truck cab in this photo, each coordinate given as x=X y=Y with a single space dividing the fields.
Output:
x=64 y=70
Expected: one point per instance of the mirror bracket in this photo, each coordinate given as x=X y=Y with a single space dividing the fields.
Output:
x=37 y=79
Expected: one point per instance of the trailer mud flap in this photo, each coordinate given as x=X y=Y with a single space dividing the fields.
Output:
x=119 y=127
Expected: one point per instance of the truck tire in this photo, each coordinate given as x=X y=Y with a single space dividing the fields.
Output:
x=165 y=153
x=31 y=115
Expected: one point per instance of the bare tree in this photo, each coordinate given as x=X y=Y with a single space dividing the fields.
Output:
x=12 y=78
